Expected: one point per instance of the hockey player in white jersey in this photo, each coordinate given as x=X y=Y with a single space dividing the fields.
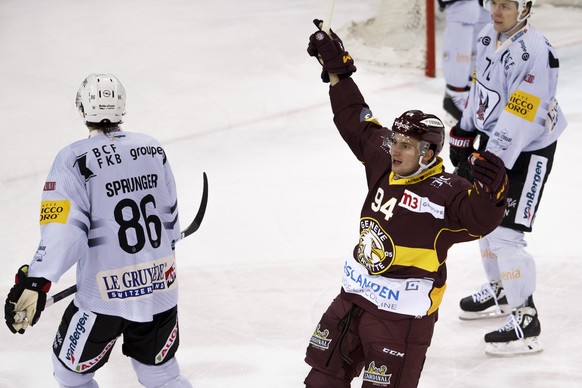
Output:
x=463 y=21
x=512 y=107
x=109 y=205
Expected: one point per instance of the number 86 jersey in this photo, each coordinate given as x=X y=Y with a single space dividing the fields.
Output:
x=109 y=205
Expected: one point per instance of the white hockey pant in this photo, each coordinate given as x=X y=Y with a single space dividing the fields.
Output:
x=166 y=375
x=464 y=20
x=504 y=258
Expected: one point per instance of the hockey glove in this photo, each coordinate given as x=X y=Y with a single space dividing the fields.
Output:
x=26 y=298
x=329 y=50
x=460 y=149
x=489 y=175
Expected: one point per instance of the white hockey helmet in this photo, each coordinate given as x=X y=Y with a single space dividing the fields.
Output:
x=521 y=5
x=101 y=99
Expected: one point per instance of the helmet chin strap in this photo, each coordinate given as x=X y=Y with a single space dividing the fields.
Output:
x=421 y=166
x=510 y=32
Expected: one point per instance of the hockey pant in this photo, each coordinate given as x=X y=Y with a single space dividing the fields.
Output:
x=504 y=258
x=503 y=251
x=84 y=342
x=464 y=20
x=349 y=339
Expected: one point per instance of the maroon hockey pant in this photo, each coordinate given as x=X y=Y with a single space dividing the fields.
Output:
x=347 y=339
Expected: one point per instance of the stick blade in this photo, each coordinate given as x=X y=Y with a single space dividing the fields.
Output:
x=195 y=224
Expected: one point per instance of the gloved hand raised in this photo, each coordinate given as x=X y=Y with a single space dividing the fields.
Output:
x=460 y=148
x=329 y=50
x=489 y=175
x=28 y=296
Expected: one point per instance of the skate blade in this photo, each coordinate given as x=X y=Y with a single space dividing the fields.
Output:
x=520 y=347
x=491 y=312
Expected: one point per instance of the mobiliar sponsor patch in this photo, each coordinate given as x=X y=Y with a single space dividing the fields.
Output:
x=138 y=281
x=523 y=105
x=54 y=211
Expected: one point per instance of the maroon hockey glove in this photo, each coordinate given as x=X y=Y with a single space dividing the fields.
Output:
x=329 y=50
x=489 y=175
x=25 y=301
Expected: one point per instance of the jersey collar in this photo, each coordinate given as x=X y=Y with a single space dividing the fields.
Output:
x=434 y=170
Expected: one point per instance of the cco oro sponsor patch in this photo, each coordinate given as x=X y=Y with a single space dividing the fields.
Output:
x=54 y=211
x=523 y=105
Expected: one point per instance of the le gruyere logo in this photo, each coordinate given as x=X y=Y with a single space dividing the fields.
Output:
x=54 y=211
x=523 y=105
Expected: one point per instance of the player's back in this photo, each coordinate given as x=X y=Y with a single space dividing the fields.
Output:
x=133 y=224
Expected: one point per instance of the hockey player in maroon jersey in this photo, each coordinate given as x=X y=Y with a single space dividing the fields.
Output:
x=382 y=321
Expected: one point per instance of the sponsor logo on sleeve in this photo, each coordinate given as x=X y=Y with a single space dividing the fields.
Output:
x=49 y=186
x=523 y=105
x=367 y=115
x=529 y=78
x=40 y=252
x=54 y=211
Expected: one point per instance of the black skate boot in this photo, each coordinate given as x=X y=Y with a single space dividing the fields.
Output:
x=519 y=335
x=488 y=302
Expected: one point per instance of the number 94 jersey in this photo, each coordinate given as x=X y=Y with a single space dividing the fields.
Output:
x=109 y=205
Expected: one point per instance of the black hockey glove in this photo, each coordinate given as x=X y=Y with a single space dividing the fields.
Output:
x=25 y=301
x=329 y=50
x=489 y=175
x=460 y=149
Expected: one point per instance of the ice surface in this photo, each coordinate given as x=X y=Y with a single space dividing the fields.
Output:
x=228 y=89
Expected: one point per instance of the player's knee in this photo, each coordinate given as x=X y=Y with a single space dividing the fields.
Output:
x=166 y=375
x=69 y=379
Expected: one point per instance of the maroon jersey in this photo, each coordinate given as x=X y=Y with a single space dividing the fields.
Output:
x=408 y=224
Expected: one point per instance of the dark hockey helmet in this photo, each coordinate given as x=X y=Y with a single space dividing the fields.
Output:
x=426 y=127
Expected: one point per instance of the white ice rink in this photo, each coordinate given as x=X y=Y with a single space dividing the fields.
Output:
x=228 y=88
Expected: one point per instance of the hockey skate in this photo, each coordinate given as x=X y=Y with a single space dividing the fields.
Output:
x=518 y=336
x=488 y=302
x=454 y=104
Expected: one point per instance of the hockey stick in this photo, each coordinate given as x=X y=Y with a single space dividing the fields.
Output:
x=195 y=224
x=193 y=227
x=326 y=27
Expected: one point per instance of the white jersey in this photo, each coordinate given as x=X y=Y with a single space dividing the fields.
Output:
x=512 y=98
x=109 y=205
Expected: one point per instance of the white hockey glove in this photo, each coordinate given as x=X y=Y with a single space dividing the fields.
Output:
x=25 y=301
